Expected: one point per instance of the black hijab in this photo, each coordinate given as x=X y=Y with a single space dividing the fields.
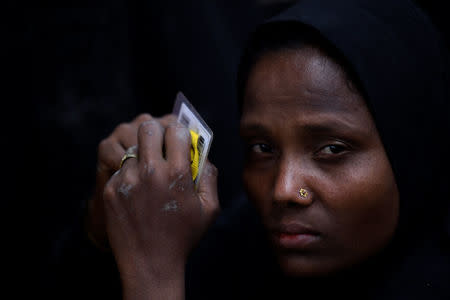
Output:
x=398 y=56
x=402 y=66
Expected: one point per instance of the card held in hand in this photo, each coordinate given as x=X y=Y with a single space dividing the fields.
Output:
x=201 y=134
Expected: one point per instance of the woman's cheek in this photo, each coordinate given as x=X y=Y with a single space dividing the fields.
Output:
x=258 y=186
x=355 y=185
x=364 y=200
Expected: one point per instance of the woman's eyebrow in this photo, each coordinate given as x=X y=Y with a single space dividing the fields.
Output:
x=317 y=128
x=253 y=129
x=328 y=126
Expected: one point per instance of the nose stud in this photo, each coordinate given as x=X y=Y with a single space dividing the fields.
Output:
x=303 y=193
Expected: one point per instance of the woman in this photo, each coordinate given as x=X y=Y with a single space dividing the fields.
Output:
x=344 y=112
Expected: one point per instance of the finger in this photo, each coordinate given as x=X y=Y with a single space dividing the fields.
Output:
x=178 y=145
x=119 y=188
x=123 y=180
x=110 y=152
x=167 y=120
x=125 y=134
x=150 y=141
x=164 y=120
x=128 y=163
x=207 y=189
x=141 y=119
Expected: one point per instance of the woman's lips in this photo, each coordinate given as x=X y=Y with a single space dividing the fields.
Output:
x=294 y=236
x=295 y=241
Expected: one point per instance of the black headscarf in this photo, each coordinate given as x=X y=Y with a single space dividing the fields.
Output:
x=399 y=58
x=402 y=65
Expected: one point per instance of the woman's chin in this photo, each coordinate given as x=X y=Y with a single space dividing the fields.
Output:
x=304 y=265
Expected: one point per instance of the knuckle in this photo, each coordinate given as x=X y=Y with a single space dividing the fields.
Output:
x=148 y=169
x=168 y=119
x=109 y=192
x=122 y=128
x=179 y=130
x=175 y=125
x=213 y=170
x=143 y=117
x=103 y=146
x=213 y=208
x=149 y=124
x=210 y=171
x=105 y=154
x=129 y=178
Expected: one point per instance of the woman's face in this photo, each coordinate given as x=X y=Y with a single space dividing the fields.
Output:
x=306 y=128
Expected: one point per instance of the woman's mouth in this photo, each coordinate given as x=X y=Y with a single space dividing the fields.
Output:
x=294 y=236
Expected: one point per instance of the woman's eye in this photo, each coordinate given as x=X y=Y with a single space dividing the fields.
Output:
x=332 y=149
x=260 y=148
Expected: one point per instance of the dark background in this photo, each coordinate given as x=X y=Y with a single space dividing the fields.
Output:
x=97 y=63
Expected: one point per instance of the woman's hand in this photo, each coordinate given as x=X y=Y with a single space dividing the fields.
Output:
x=110 y=152
x=154 y=214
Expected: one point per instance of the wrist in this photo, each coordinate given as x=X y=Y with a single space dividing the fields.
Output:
x=146 y=281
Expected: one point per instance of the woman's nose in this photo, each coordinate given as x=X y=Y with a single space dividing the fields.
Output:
x=291 y=184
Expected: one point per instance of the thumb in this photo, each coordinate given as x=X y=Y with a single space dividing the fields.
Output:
x=207 y=190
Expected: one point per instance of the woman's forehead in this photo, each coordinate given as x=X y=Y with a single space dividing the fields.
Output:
x=299 y=79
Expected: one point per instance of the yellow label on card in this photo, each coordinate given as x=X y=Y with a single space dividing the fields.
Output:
x=194 y=154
